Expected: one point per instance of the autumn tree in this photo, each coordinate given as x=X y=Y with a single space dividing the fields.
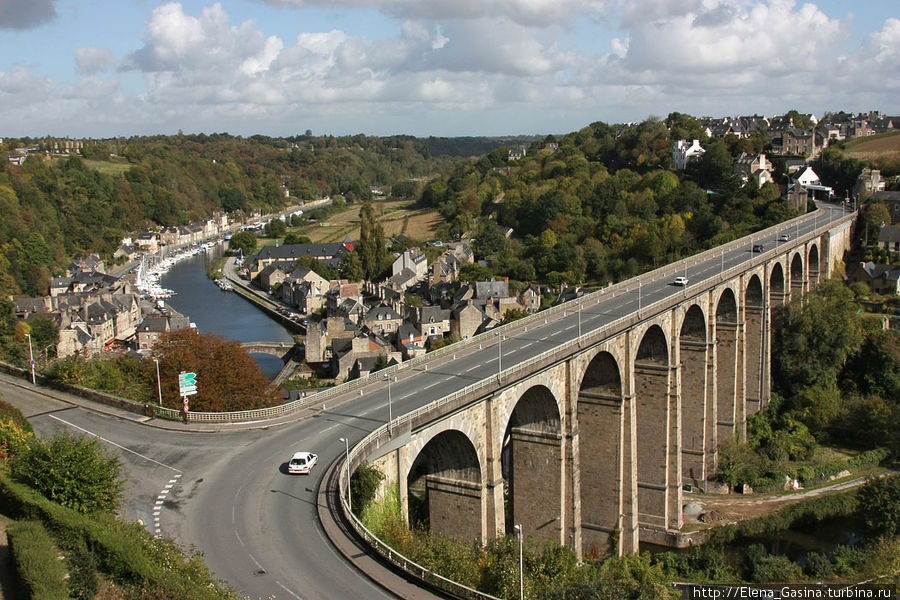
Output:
x=228 y=379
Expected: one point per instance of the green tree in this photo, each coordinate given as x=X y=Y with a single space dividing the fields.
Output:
x=74 y=471
x=879 y=506
x=244 y=241
x=363 y=484
x=275 y=228
x=295 y=238
x=371 y=247
x=351 y=267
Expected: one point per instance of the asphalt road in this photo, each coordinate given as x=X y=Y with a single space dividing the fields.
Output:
x=228 y=494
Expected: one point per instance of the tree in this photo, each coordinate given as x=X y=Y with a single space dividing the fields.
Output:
x=275 y=228
x=371 y=247
x=879 y=506
x=244 y=241
x=351 y=267
x=295 y=238
x=228 y=379
x=74 y=471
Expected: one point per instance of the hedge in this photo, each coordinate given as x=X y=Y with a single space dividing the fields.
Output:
x=41 y=573
x=125 y=551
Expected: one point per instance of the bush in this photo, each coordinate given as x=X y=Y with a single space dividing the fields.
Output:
x=35 y=555
x=879 y=506
x=125 y=552
x=74 y=471
x=363 y=485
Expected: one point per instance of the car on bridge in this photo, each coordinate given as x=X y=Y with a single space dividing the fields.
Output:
x=784 y=237
x=757 y=247
x=302 y=462
x=682 y=281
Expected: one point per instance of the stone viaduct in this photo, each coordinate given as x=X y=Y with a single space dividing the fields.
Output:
x=593 y=448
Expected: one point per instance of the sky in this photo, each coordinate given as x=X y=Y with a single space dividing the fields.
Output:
x=106 y=68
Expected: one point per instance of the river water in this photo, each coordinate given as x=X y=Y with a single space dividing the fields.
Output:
x=222 y=313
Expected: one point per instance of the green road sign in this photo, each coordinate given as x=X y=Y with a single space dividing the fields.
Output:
x=185 y=379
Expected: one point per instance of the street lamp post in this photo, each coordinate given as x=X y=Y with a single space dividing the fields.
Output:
x=499 y=355
x=518 y=530
x=390 y=410
x=347 y=448
x=639 y=298
x=31 y=356
x=158 y=382
x=580 y=305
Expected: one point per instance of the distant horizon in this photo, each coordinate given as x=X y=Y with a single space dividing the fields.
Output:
x=432 y=68
x=425 y=137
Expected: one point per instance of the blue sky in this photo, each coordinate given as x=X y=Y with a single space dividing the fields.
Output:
x=102 y=68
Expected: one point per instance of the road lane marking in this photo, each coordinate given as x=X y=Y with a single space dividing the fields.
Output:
x=111 y=443
x=287 y=590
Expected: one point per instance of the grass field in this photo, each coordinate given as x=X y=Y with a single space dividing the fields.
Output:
x=881 y=146
x=105 y=167
x=395 y=216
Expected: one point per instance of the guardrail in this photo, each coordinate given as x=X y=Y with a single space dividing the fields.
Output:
x=368 y=445
x=489 y=337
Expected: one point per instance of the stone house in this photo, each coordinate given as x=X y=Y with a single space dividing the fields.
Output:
x=755 y=168
x=466 y=319
x=383 y=320
x=889 y=238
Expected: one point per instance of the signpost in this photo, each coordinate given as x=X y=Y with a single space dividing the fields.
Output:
x=187 y=386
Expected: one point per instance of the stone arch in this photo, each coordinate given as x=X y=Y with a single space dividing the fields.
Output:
x=776 y=284
x=812 y=263
x=726 y=365
x=444 y=487
x=600 y=418
x=755 y=342
x=693 y=351
x=531 y=462
x=654 y=427
x=797 y=275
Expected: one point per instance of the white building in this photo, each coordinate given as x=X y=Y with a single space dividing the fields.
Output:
x=683 y=152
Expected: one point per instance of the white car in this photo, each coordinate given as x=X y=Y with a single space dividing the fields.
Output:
x=784 y=237
x=682 y=281
x=302 y=462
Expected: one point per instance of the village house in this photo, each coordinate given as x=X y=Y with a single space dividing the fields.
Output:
x=683 y=153
x=755 y=168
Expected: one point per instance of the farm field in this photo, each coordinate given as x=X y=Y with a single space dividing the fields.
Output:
x=395 y=216
x=885 y=146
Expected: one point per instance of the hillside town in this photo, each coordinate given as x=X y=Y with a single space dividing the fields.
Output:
x=354 y=327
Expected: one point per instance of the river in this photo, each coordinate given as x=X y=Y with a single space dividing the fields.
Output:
x=222 y=313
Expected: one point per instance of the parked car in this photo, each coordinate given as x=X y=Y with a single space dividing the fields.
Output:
x=302 y=462
x=683 y=281
x=757 y=247
x=784 y=237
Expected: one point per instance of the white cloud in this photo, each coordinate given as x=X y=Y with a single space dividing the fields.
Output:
x=472 y=66
x=93 y=60
x=526 y=12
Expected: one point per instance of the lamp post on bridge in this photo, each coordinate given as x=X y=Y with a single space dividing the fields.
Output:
x=520 y=534
x=347 y=449
x=390 y=410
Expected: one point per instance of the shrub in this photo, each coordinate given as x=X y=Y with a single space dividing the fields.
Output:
x=363 y=485
x=74 y=471
x=879 y=506
x=13 y=439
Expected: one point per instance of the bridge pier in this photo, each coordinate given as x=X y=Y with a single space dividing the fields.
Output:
x=454 y=507
x=535 y=492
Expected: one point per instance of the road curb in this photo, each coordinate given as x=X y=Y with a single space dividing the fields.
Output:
x=357 y=552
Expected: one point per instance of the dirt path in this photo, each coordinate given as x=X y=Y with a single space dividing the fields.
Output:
x=738 y=507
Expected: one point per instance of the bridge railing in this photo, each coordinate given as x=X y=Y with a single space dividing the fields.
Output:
x=369 y=445
x=436 y=580
x=493 y=336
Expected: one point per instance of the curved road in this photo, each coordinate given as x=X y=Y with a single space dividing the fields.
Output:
x=228 y=494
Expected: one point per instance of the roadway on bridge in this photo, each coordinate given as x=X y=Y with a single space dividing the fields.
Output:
x=257 y=525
